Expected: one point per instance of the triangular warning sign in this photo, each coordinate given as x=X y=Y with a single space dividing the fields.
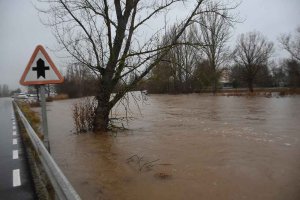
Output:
x=40 y=69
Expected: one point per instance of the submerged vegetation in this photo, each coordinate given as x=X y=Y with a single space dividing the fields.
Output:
x=83 y=112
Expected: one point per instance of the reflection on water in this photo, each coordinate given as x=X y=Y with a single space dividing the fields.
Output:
x=186 y=147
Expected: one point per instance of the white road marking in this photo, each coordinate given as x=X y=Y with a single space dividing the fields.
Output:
x=15 y=141
x=14 y=132
x=14 y=123
x=14 y=127
x=16 y=178
x=15 y=154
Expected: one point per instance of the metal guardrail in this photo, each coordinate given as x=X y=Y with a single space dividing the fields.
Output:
x=62 y=187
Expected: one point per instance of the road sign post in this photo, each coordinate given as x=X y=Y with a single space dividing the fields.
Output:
x=41 y=71
x=44 y=117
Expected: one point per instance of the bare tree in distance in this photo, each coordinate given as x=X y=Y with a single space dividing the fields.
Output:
x=252 y=51
x=292 y=44
x=79 y=81
x=111 y=38
x=182 y=60
x=292 y=68
x=213 y=29
x=4 y=90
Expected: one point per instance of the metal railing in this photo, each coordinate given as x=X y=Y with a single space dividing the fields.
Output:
x=62 y=187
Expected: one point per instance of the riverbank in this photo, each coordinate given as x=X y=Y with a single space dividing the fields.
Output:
x=245 y=92
x=266 y=92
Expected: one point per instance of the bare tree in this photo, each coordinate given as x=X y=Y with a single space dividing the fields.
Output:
x=251 y=53
x=279 y=75
x=292 y=44
x=5 y=91
x=185 y=58
x=78 y=82
x=213 y=29
x=181 y=60
x=202 y=75
x=110 y=38
x=292 y=68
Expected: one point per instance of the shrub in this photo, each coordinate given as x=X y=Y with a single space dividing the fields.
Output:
x=83 y=114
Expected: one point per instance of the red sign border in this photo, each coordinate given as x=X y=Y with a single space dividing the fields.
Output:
x=52 y=65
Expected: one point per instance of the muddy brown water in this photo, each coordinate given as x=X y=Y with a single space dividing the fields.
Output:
x=186 y=147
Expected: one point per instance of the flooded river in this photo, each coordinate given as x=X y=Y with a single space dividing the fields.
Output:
x=186 y=147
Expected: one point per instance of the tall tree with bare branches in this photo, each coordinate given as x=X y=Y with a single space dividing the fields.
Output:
x=114 y=39
x=182 y=60
x=251 y=53
x=291 y=43
x=213 y=29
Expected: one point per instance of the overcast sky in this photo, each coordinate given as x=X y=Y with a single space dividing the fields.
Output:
x=21 y=30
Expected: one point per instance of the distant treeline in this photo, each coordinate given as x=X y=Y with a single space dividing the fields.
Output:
x=78 y=82
x=166 y=78
x=4 y=90
x=193 y=67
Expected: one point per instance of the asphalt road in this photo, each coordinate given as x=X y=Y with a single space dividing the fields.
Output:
x=15 y=181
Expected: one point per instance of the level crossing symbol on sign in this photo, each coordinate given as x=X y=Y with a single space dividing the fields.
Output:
x=40 y=69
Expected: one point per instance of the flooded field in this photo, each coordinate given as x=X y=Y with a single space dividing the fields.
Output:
x=186 y=147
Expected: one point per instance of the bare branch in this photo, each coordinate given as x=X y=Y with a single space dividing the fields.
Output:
x=291 y=44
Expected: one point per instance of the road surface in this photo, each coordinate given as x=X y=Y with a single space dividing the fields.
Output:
x=15 y=181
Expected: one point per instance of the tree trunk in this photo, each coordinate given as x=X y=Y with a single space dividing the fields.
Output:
x=101 y=119
x=250 y=86
x=215 y=82
x=214 y=87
